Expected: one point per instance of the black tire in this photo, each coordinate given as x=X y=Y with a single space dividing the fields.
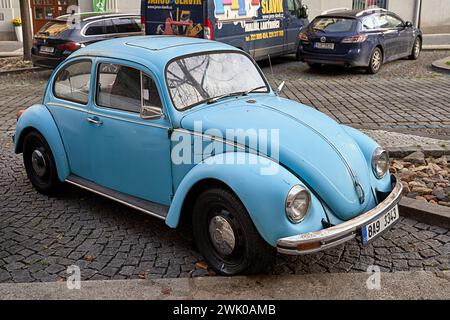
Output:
x=250 y=254
x=298 y=56
x=43 y=177
x=315 y=66
x=376 y=61
x=417 y=47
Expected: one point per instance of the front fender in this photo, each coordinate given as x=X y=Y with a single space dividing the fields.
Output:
x=39 y=118
x=263 y=196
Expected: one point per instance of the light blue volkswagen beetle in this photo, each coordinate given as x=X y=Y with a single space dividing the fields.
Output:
x=189 y=131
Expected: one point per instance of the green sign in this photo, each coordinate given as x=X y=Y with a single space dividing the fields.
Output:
x=99 y=5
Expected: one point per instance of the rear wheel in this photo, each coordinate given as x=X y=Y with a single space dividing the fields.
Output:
x=226 y=236
x=376 y=61
x=417 y=47
x=39 y=163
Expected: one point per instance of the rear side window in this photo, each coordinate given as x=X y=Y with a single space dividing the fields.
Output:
x=95 y=28
x=127 y=25
x=72 y=83
x=332 y=24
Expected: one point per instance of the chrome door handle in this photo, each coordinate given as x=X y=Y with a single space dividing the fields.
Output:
x=95 y=121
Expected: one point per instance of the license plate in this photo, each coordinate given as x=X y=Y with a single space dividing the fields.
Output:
x=47 y=49
x=320 y=45
x=376 y=228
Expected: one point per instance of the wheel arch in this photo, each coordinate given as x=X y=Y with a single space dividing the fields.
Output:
x=38 y=118
x=263 y=196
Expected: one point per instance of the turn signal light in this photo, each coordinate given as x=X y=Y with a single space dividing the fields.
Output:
x=309 y=246
x=19 y=114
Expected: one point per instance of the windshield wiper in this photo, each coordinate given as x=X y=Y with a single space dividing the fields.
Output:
x=234 y=94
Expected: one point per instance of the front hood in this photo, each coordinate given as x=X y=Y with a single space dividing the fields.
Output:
x=311 y=144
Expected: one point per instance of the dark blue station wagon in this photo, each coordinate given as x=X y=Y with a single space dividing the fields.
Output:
x=355 y=38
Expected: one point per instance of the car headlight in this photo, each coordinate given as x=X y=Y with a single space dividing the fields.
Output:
x=297 y=204
x=380 y=162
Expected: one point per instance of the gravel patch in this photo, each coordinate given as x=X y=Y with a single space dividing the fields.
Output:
x=390 y=139
x=7 y=64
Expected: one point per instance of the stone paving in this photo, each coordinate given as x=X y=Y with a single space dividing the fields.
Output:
x=40 y=236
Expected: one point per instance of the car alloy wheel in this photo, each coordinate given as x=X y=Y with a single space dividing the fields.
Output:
x=226 y=236
x=39 y=163
x=416 y=49
x=376 y=61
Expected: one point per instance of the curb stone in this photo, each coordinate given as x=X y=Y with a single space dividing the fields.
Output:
x=22 y=70
x=425 y=212
x=401 y=152
x=441 y=65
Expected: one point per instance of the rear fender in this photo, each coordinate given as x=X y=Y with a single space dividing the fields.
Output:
x=39 y=118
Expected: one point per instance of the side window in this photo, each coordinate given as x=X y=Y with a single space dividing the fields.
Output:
x=96 y=28
x=369 y=23
x=151 y=101
x=110 y=27
x=291 y=6
x=119 y=87
x=126 y=25
x=73 y=82
x=382 y=22
x=394 y=22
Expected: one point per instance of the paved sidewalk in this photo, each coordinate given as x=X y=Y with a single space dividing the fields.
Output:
x=401 y=285
x=10 y=49
x=436 y=41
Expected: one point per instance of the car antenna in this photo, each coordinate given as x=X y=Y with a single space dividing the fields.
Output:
x=270 y=63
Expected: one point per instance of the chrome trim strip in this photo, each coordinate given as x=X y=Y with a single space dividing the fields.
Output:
x=343 y=232
x=218 y=139
x=115 y=199
x=61 y=105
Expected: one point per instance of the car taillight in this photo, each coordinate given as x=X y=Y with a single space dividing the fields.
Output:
x=303 y=36
x=355 y=39
x=19 y=114
x=208 y=30
x=69 y=46
x=143 y=22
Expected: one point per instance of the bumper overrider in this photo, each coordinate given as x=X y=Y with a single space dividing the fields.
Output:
x=320 y=240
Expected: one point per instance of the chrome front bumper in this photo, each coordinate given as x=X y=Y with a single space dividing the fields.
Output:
x=320 y=240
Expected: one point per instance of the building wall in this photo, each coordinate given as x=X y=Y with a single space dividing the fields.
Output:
x=9 y=9
x=316 y=7
x=435 y=16
x=404 y=8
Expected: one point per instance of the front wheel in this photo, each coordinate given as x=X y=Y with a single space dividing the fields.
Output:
x=226 y=236
x=376 y=61
x=417 y=47
x=39 y=163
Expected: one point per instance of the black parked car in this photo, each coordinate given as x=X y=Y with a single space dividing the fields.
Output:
x=60 y=37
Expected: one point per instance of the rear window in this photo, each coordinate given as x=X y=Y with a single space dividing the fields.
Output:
x=333 y=24
x=54 y=28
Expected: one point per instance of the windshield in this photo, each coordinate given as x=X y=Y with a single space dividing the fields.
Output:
x=333 y=24
x=196 y=79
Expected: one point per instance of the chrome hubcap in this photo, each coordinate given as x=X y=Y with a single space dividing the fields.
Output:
x=222 y=235
x=376 y=60
x=38 y=162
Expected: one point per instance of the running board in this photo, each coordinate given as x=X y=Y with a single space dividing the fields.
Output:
x=151 y=208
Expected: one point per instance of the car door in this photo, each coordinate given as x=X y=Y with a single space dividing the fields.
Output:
x=390 y=36
x=404 y=35
x=130 y=154
x=293 y=24
x=67 y=101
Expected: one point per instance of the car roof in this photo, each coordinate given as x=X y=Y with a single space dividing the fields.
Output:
x=88 y=16
x=155 y=51
x=353 y=14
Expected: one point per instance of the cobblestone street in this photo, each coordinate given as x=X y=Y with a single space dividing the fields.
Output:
x=40 y=236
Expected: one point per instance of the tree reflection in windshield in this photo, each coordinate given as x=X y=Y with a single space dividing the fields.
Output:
x=196 y=79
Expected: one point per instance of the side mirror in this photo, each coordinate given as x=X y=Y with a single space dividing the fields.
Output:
x=149 y=113
x=280 y=88
x=408 y=24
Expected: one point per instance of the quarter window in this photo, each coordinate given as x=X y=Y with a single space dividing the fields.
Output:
x=96 y=28
x=119 y=87
x=73 y=82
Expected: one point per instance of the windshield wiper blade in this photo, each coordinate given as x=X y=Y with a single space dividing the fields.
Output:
x=228 y=95
x=253 y=90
